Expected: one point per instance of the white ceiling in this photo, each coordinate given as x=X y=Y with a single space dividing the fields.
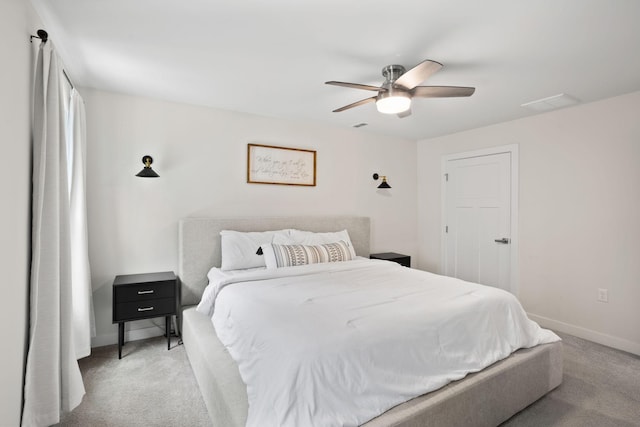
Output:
x=272 y=57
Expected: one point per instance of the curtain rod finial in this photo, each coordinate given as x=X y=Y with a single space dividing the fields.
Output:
x=42 y=35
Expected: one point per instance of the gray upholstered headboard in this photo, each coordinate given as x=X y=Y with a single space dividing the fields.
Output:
x=199 y=242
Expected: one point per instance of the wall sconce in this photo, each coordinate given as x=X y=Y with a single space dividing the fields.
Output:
x=147 y=172
x=384 y=183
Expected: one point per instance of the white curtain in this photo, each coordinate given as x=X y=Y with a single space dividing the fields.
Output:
x=83 y=318
x=53 y=383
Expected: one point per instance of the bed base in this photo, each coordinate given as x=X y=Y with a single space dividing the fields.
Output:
x=486 y=398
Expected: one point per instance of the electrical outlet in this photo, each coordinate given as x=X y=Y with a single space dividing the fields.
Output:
x=603 y=295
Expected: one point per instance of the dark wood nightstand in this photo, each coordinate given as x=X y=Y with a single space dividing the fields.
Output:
x=392 y=256
x=143 y=296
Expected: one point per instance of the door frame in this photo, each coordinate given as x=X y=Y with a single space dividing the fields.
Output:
x=513 y=244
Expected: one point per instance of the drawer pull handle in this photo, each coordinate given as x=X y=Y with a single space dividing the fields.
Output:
x=145 y=308
x=145 y=292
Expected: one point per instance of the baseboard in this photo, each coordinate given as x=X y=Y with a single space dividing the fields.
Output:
x=587 y=334
x=132 y=335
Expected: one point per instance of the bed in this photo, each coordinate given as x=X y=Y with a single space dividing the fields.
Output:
x=484 y=398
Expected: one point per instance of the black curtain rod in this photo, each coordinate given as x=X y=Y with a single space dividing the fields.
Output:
x=44 y=36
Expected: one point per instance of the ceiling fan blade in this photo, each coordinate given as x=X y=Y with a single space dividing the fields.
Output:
x=355 y=104
x=356 y=86
x=404 y=114
x=442 y=91
x=418 y=74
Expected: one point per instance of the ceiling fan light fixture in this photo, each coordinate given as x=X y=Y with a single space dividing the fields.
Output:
x=400 y=86
x=394 y=104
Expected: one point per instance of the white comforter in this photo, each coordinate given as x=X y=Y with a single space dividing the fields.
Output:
x=338 y=344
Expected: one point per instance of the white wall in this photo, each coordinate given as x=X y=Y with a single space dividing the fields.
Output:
x=17 y=22
x=200 y=155
x=579 y=210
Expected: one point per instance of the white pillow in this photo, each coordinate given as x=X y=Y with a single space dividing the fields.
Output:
x=238 y=249
x=277 y=256
x=300 y=237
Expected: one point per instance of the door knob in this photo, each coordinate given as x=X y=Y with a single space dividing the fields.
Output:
x=504 y=240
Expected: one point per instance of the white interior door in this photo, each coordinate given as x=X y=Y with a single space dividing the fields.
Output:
x=478 y=219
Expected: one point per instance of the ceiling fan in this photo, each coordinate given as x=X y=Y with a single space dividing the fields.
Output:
x=395 y=93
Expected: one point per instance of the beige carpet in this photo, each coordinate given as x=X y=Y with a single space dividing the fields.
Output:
x=151 y=386
x=600 y=388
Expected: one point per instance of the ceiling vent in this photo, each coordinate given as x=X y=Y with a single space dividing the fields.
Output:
x=551 y=103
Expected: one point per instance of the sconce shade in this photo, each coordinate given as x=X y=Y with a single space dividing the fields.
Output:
x=384 y=183
x=147 y=172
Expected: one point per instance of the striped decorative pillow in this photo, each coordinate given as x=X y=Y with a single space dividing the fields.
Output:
x=276 y=256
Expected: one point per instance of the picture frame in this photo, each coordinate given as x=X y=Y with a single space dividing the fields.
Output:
x=269 y=164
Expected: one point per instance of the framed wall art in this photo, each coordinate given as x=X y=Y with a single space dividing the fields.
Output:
x=268 y=164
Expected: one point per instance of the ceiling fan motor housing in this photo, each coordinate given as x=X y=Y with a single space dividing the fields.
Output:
x=393 y=92
x=392 y=72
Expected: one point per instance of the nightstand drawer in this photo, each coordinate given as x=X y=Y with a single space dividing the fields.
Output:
x=145 y=291
x=144 y=309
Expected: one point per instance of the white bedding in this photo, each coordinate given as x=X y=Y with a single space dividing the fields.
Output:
x=338 y=344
